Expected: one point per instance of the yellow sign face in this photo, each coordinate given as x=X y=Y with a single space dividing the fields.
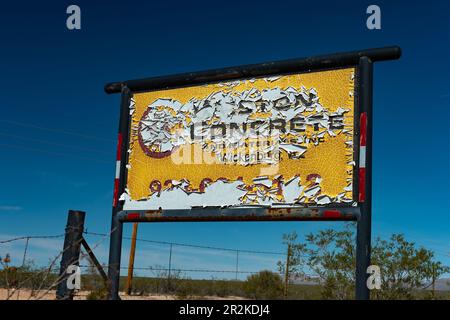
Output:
x=276 y=141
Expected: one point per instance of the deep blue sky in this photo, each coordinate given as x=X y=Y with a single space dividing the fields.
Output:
x=53 y=78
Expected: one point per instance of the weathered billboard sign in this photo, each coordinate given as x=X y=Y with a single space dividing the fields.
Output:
x=276 y=141
x=285 y=140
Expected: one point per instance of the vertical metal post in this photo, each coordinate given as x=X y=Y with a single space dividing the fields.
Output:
x=115 y=249
x=115 y=244
x=131 y=260
x=170 y=267
x=363 y=236
x=71 y=252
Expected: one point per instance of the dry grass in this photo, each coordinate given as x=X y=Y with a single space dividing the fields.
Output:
x=25 y=294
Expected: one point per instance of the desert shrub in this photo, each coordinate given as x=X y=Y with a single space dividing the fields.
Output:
x=216 y=287
x=97 y=294
x=185 y=290
x=264 y=285
x=27 y=276
x=221 y=288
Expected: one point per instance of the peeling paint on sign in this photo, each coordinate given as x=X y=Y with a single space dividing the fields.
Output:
x=283 y=140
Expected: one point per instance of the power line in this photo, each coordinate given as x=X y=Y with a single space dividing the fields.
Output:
x=52 y=143
x=73 y=133
x=32 y=237
x=58 y=154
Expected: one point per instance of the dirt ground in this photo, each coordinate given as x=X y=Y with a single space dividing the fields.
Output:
x=25 y=294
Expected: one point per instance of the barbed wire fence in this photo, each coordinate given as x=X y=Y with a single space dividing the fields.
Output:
x=236 y=269
x=169 y=245
x=238 y=259
x=236 y=254
x=50 y=275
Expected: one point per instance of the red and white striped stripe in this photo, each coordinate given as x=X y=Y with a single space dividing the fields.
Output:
x=117 y=176
x=362 y=157
x=331 y=214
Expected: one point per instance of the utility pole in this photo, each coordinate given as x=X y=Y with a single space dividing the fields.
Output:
x=131 y=260
x=286 y=271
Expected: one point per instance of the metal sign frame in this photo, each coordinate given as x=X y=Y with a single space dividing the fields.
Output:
x=362 y=61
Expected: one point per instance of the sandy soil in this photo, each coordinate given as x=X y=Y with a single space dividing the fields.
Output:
x=81 y=295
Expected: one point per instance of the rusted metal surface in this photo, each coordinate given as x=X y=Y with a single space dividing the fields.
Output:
x=245 y=214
